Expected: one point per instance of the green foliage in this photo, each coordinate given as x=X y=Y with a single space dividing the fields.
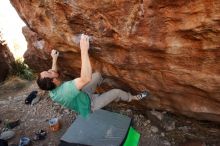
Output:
x=19 y=68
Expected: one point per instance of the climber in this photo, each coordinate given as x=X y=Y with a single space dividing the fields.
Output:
x=78 y=94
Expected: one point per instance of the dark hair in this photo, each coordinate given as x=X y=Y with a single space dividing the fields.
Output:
x=45 y=83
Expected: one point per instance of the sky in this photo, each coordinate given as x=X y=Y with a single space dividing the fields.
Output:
x=11 y=28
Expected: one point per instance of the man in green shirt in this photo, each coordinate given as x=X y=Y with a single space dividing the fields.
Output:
x=78 y=94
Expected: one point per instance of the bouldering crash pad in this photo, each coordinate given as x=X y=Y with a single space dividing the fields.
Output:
x=101 y=128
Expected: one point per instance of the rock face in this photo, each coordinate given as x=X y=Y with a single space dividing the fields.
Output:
x=170 y=48
x=6 y=59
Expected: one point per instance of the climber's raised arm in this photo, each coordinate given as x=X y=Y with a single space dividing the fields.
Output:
x=54 y=55
x=86 y=69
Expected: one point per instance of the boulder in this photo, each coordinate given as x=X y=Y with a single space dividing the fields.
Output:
x=5 y=61
x=169 y=48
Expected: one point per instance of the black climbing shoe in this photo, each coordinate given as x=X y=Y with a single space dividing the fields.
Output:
x=30 y=97
x=13 y=124
x=3 y=142
x=40 y=135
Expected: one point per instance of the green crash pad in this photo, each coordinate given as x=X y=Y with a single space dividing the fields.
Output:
x=132 y=138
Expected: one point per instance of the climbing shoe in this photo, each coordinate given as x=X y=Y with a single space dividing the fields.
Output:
x=3 y=142
x=142 y=95
x=12 y=124
x=40 y=135
x=30 y=97
x=24 y=141
x=6 y=135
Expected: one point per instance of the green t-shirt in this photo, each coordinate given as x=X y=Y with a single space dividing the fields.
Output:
x=70 y=97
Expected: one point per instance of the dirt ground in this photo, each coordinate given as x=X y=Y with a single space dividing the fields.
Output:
x=157 y=128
